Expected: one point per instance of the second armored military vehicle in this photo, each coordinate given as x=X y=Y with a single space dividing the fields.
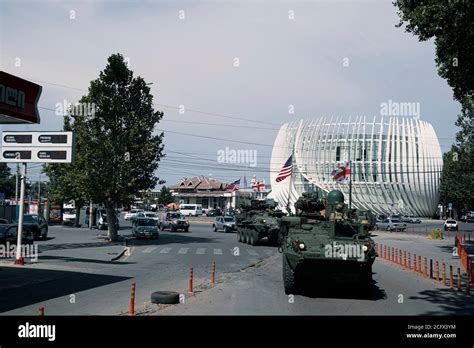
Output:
x=258 y=219
x=327 y=243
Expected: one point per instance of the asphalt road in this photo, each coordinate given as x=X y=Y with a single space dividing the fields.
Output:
x=75 y=276
x=76 y=262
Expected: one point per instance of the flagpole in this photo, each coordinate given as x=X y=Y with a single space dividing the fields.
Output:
x=350 y=184
x=289 y=187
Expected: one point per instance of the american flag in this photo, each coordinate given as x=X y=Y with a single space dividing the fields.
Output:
x=286 y=170
x=234 y=186
x=342 y=174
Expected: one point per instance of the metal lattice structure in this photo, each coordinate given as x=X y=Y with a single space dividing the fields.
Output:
x=396 y=162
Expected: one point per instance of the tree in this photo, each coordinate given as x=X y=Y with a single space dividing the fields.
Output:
x=165 y=196
x=120 y=151
x=450 y=23
x=68 y=182
x=7 y=181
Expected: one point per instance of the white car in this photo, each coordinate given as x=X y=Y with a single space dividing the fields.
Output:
x=132 y=214
x=69 y=216
x=450 y=225
x=152 y=215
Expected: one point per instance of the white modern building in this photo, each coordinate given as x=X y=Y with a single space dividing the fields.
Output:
x=396 y=162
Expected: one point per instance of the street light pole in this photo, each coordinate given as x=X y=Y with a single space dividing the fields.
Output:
x=18 y=259
x=16 y=182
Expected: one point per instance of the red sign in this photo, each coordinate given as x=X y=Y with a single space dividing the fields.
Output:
x=18 y=100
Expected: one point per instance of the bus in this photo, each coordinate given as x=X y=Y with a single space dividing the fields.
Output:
x=191 y=209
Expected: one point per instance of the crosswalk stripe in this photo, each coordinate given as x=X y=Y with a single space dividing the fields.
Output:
x=183 y=251
x=252 y=252
x=149 y=249
x=201 y=251
x=165 y=250
x=217 y=251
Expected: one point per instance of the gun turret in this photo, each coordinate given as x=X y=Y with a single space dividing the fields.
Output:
x=309 y=203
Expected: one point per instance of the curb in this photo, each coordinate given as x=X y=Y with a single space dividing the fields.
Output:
x=124 y=251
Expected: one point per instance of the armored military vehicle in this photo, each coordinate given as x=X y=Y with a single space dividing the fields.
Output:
x=258 y=219
x=327 y=243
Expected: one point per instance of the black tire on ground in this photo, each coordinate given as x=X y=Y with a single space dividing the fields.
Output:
x=246 y=237
x=289 y=279
x=186 y=229
x=239 y=236
x=215 y=228
x=254 y=238
x=164 y=297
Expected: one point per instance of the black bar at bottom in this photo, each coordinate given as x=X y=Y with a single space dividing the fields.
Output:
x=366 y=330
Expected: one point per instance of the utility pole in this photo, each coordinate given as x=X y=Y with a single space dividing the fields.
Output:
x=39 y=189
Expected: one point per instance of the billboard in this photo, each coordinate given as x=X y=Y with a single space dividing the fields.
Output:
x=18 y=100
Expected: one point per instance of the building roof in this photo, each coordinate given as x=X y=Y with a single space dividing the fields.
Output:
x=200 y=183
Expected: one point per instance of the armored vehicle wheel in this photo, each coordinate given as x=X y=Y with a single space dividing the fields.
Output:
x=289 y=279
x=253 y=238
x=239 y=237
x=246 y=237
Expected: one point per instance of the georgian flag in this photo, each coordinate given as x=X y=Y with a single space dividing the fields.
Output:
x=342 y=174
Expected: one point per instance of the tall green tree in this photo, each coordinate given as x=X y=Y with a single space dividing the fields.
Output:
x=7 y=181
x=122 y=151
x=69 y=181
x=165 y=196
x=117 y=150
x=451 y=25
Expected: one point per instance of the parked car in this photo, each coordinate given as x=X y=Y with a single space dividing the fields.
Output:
x=36 y=224
x=69 y=216
x=214 y=212
x=450 y=225
x=224 y=223
x=9 y=234
x=410 y=220
x=132 y=213
x=145 y=228
x=102 y=219
x=174 y=221
x=391 y=224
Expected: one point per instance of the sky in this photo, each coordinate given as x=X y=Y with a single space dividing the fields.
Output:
x=238 y=69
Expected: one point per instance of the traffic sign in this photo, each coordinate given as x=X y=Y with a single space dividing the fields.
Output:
x=36 y=154
x=37 y=139
x=450 y=206
x=37 y=147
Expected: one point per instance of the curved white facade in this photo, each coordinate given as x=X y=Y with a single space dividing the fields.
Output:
x=396 y=162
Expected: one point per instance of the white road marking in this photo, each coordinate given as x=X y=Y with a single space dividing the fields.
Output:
x=201 y=251
x=183 y=250
x=165 y=250
x=217 y=251
x=149 y=249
